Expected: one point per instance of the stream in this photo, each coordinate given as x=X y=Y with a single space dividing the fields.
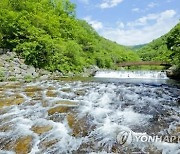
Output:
x=88 y=115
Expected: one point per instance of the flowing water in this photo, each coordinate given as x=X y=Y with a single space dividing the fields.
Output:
x=87 y=115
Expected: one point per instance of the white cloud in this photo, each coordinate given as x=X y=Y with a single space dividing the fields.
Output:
x=120 y=24
x=94 y=23
x=109 y=3
x=149 y=6
x=152 y=5
x=135 y=10
x=142 y=30
x=152 y=17
x=143 y=20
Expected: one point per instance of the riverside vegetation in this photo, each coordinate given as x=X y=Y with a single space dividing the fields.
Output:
x=47 y=34
x=166 y=49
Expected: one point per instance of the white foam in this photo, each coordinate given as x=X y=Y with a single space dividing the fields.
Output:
x=131 y=74
x=110 y=107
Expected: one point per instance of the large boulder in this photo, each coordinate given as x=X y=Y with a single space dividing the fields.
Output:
x=173 y=73
x=91 y=71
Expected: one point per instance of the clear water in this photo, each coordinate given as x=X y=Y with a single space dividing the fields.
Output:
x=98 y=110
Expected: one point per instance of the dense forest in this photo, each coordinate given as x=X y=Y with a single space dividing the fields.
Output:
x=47 y=34
x=166 y=48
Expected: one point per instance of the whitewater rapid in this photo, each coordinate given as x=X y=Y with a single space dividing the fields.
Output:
x=132 y=74
x=86 y=117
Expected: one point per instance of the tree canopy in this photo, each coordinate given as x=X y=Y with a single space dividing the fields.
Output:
x=48 y=35
x=166 y=48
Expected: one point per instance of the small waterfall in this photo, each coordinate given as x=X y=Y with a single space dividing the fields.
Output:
x=132 y=74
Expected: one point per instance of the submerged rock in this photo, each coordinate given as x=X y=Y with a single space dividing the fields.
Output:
x=11 y=101
x=32 y=89
x=79 y=126
x=80 y=92
x=59 y=109
x=23 y=145
x=45 y=144
x=31 y=94
x=12 y=85
x=5 y=128
x=66 y=90
x=67 y=103
x=51 y=93
x=41 y=129
x=6 y=144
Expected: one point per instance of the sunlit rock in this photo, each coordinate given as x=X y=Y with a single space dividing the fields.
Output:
x=41 y=129
x=12 y=86
x=59 y=109
x=51 y=93
x=45 y=144
x=17 y=95
x=51 y=88
x=61 y=103
x=80 y=126
x=67 y=103
x=32 y=89
x=23 y=145
x=30 y=94
x=11 y=101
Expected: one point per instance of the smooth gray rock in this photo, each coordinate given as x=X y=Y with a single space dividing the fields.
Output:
x=44 y=77
x=11 y=54
x=173 y=73
x=43 y=72
x=19 y=76
x=31 y=70
x=17 y=70
x=16 y=60
x=4 y=57
x=88 y=72
x=14 y=67
x=23 y=66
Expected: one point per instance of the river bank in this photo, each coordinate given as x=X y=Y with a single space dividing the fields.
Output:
x=13 y=68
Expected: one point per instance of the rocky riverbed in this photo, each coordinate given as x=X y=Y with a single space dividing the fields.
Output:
x=86 y=116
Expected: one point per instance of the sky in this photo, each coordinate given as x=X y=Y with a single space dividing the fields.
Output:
x=129 y=22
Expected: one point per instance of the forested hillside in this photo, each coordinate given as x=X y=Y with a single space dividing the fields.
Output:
x=137 y=47
x=48 y=35
x=165 y=48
